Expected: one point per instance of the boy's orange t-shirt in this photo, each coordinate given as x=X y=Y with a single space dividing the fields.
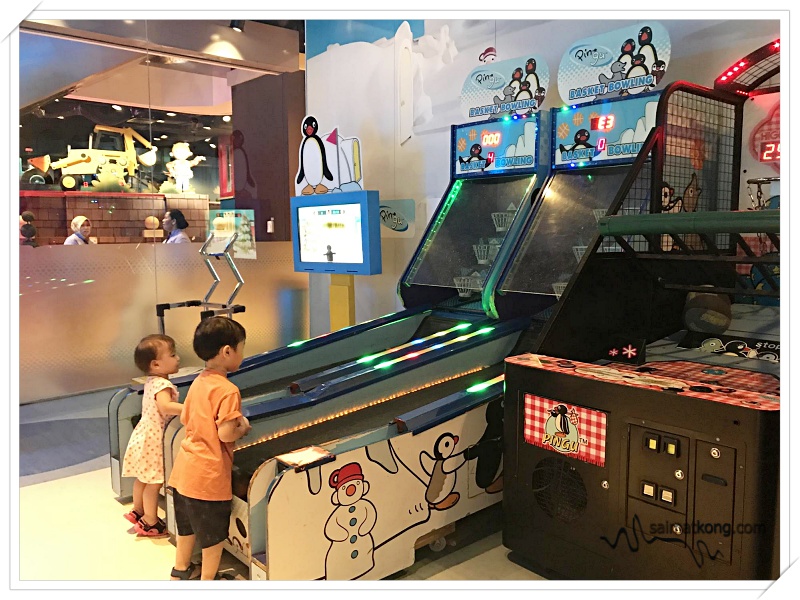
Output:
x=202 y=469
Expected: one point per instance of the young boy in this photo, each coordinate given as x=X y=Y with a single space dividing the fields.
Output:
x=201 y=475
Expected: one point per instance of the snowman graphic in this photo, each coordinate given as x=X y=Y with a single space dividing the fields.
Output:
x=349 y=526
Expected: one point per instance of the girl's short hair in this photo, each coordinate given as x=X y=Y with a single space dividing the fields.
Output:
x=147 y=350
x=180 y=220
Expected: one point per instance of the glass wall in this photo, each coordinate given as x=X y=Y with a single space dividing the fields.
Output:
x=120 y=137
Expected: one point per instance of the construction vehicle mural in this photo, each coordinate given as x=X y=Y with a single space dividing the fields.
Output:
x=111 y=161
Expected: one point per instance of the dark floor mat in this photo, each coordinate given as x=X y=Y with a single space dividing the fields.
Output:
x=51 y=445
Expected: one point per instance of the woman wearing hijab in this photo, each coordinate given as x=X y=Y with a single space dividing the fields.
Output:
x=81 y=226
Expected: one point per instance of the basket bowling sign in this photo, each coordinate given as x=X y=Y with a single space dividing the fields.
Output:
x=495 y=147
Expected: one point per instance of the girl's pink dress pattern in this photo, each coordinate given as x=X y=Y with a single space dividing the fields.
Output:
x=144 y=458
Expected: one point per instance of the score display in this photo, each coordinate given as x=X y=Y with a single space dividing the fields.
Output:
x=603 y=123
x=769 y=152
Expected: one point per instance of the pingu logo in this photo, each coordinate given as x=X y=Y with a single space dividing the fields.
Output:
x=592 y=56
x=489 y=80
x=393 y=219
x=561 y=430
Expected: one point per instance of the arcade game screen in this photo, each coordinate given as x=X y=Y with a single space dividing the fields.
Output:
x=330 y=233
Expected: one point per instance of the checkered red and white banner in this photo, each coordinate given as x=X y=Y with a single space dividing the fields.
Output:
x=571 y=430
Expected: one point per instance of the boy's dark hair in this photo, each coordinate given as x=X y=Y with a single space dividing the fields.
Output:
x=28 y=217
x=147 y=350
x=180 y=220
x=215 y=332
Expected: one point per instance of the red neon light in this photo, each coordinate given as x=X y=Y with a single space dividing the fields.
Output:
x=723 y=78
x=777 y=44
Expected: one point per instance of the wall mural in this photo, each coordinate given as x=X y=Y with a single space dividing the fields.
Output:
x=328 y=162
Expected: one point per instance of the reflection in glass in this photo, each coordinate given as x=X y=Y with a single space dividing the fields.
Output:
x=468 y=231
x=563 y=226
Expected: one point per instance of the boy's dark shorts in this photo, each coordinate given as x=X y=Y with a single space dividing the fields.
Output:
x=207 y=519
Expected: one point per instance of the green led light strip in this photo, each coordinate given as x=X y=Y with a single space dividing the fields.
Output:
x=448 y=203
x=372 y=357
x=482 y=386
x=410 y=355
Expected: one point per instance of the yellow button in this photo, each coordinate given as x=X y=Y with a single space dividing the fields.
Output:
x=666 y=496
x=649 y=490
x=670 y=448
x=652 y=443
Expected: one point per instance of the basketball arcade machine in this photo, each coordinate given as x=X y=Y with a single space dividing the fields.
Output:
x=585 y=175
x=439 y=383
x=666 y=466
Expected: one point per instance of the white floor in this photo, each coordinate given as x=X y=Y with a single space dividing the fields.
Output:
x=71 y=529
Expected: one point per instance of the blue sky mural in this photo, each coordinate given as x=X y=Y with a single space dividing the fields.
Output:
x=321 y=34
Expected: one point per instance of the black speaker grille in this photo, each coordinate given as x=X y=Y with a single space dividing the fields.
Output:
x=559 y=489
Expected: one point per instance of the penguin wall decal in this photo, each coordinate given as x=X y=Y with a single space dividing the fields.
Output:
x=313 y=160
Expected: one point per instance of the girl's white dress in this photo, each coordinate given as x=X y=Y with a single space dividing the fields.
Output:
x=144 y=457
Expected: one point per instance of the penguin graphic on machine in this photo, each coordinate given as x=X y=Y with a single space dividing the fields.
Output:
x=626 y=53
x=516 y=80
x=530 y=74
x=474 y=155
x=538 y=95
x=646 y=47
x=441 y=468
x=524 y=93
x=657 y=70
x=581 y=140
x=488 y=450
x=349 y=527
x=638 y=69
x=313 y=161
x=559 y=413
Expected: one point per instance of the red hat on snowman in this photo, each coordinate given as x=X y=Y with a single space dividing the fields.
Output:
x=349 y=472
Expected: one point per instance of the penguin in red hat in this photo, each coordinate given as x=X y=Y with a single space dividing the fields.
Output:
x=349 y=526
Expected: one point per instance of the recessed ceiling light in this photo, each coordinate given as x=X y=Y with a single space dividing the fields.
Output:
x=226 y=118
x=163 y=137
x=56 y=100
x=213 y=145
x=159 y=120
x=207 y=139
x=116 y=107
x=170 y=114
x=60 y=116
x=206 y=127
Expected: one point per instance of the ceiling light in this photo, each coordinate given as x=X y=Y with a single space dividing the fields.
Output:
x=163 y=137
x=159 y=120
x=237 y=26
x=206 y=127
x=116 y=107
x=60 y=116
x=213 y=145
x=226 y=118
x=170 y=114
x=207 y=139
